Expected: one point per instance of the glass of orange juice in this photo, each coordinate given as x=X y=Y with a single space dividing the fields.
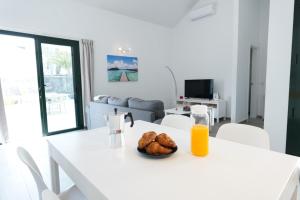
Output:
x=200 y=131
x=199 y=140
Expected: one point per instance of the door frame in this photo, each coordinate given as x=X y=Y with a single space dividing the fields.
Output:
x=76 y=77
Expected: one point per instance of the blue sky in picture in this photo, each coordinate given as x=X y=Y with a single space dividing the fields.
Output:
x=122 y=62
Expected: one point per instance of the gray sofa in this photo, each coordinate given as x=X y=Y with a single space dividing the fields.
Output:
x=150 y=111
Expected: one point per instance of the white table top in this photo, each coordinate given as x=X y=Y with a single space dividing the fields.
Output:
x=231 y=171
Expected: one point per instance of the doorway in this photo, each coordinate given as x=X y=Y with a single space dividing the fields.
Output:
x=256 y=89
x=41 y=85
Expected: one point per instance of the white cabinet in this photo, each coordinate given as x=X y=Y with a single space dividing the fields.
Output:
x=219 y=106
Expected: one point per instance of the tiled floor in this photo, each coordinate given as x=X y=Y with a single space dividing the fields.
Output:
x=259 y=122
x=60 y=116
x=16 y=182
x=252 y=121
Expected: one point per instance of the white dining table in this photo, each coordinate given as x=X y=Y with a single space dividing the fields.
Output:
x=231 y=171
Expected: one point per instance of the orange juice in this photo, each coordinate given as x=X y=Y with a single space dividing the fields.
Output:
x=199 y=140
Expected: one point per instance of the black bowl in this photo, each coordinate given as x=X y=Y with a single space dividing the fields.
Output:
x=144 y=152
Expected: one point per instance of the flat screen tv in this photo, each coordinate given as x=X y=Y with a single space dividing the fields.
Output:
x=202 y=88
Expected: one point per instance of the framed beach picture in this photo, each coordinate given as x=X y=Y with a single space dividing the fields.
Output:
x=122 y=68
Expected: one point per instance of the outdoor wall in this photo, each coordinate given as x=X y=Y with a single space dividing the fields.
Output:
x=204 y=49
x=278 y=71
x=73 y=20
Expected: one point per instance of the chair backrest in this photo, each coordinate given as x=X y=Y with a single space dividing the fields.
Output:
x=244 y=134
x=26 y=158
x=48 y=195
x=178 y=121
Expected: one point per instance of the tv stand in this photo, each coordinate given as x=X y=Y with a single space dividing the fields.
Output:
x=219 y=106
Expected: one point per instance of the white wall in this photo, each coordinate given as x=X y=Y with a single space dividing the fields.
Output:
x=252 y=32
x=235 y=59
x=264 y=6
x=72 y=20
x=247 y=37
x=278 y=71
x=218 y=47
x=204 y=49
x=259 y=60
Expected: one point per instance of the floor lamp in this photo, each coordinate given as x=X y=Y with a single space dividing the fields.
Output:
x=175 y=84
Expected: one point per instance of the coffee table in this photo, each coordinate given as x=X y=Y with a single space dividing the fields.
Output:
x=177 y=111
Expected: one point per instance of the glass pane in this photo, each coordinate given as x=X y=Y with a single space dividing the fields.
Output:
x=20 y=87
x=59 y=90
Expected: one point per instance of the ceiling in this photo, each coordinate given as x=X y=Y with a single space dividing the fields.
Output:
x=163 y=12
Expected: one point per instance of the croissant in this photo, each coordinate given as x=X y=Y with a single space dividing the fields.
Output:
x=165 y=140
x=146 y=139
x=155 y=148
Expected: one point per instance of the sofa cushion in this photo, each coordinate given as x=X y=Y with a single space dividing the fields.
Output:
x=101 y=99
x=155 y=106
x=118 y=101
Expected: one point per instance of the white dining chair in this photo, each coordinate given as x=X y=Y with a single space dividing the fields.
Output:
x=72 y=193
x=244 y=134
x=48 y=195
x=178 y=121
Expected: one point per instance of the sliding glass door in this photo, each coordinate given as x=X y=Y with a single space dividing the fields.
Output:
x=54 y=79
x=18 y=76
x=60 y=84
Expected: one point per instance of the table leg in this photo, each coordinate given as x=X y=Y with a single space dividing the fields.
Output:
x=54 y=176
x=295 y=194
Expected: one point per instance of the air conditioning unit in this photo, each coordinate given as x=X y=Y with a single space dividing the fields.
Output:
x=204 y=11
